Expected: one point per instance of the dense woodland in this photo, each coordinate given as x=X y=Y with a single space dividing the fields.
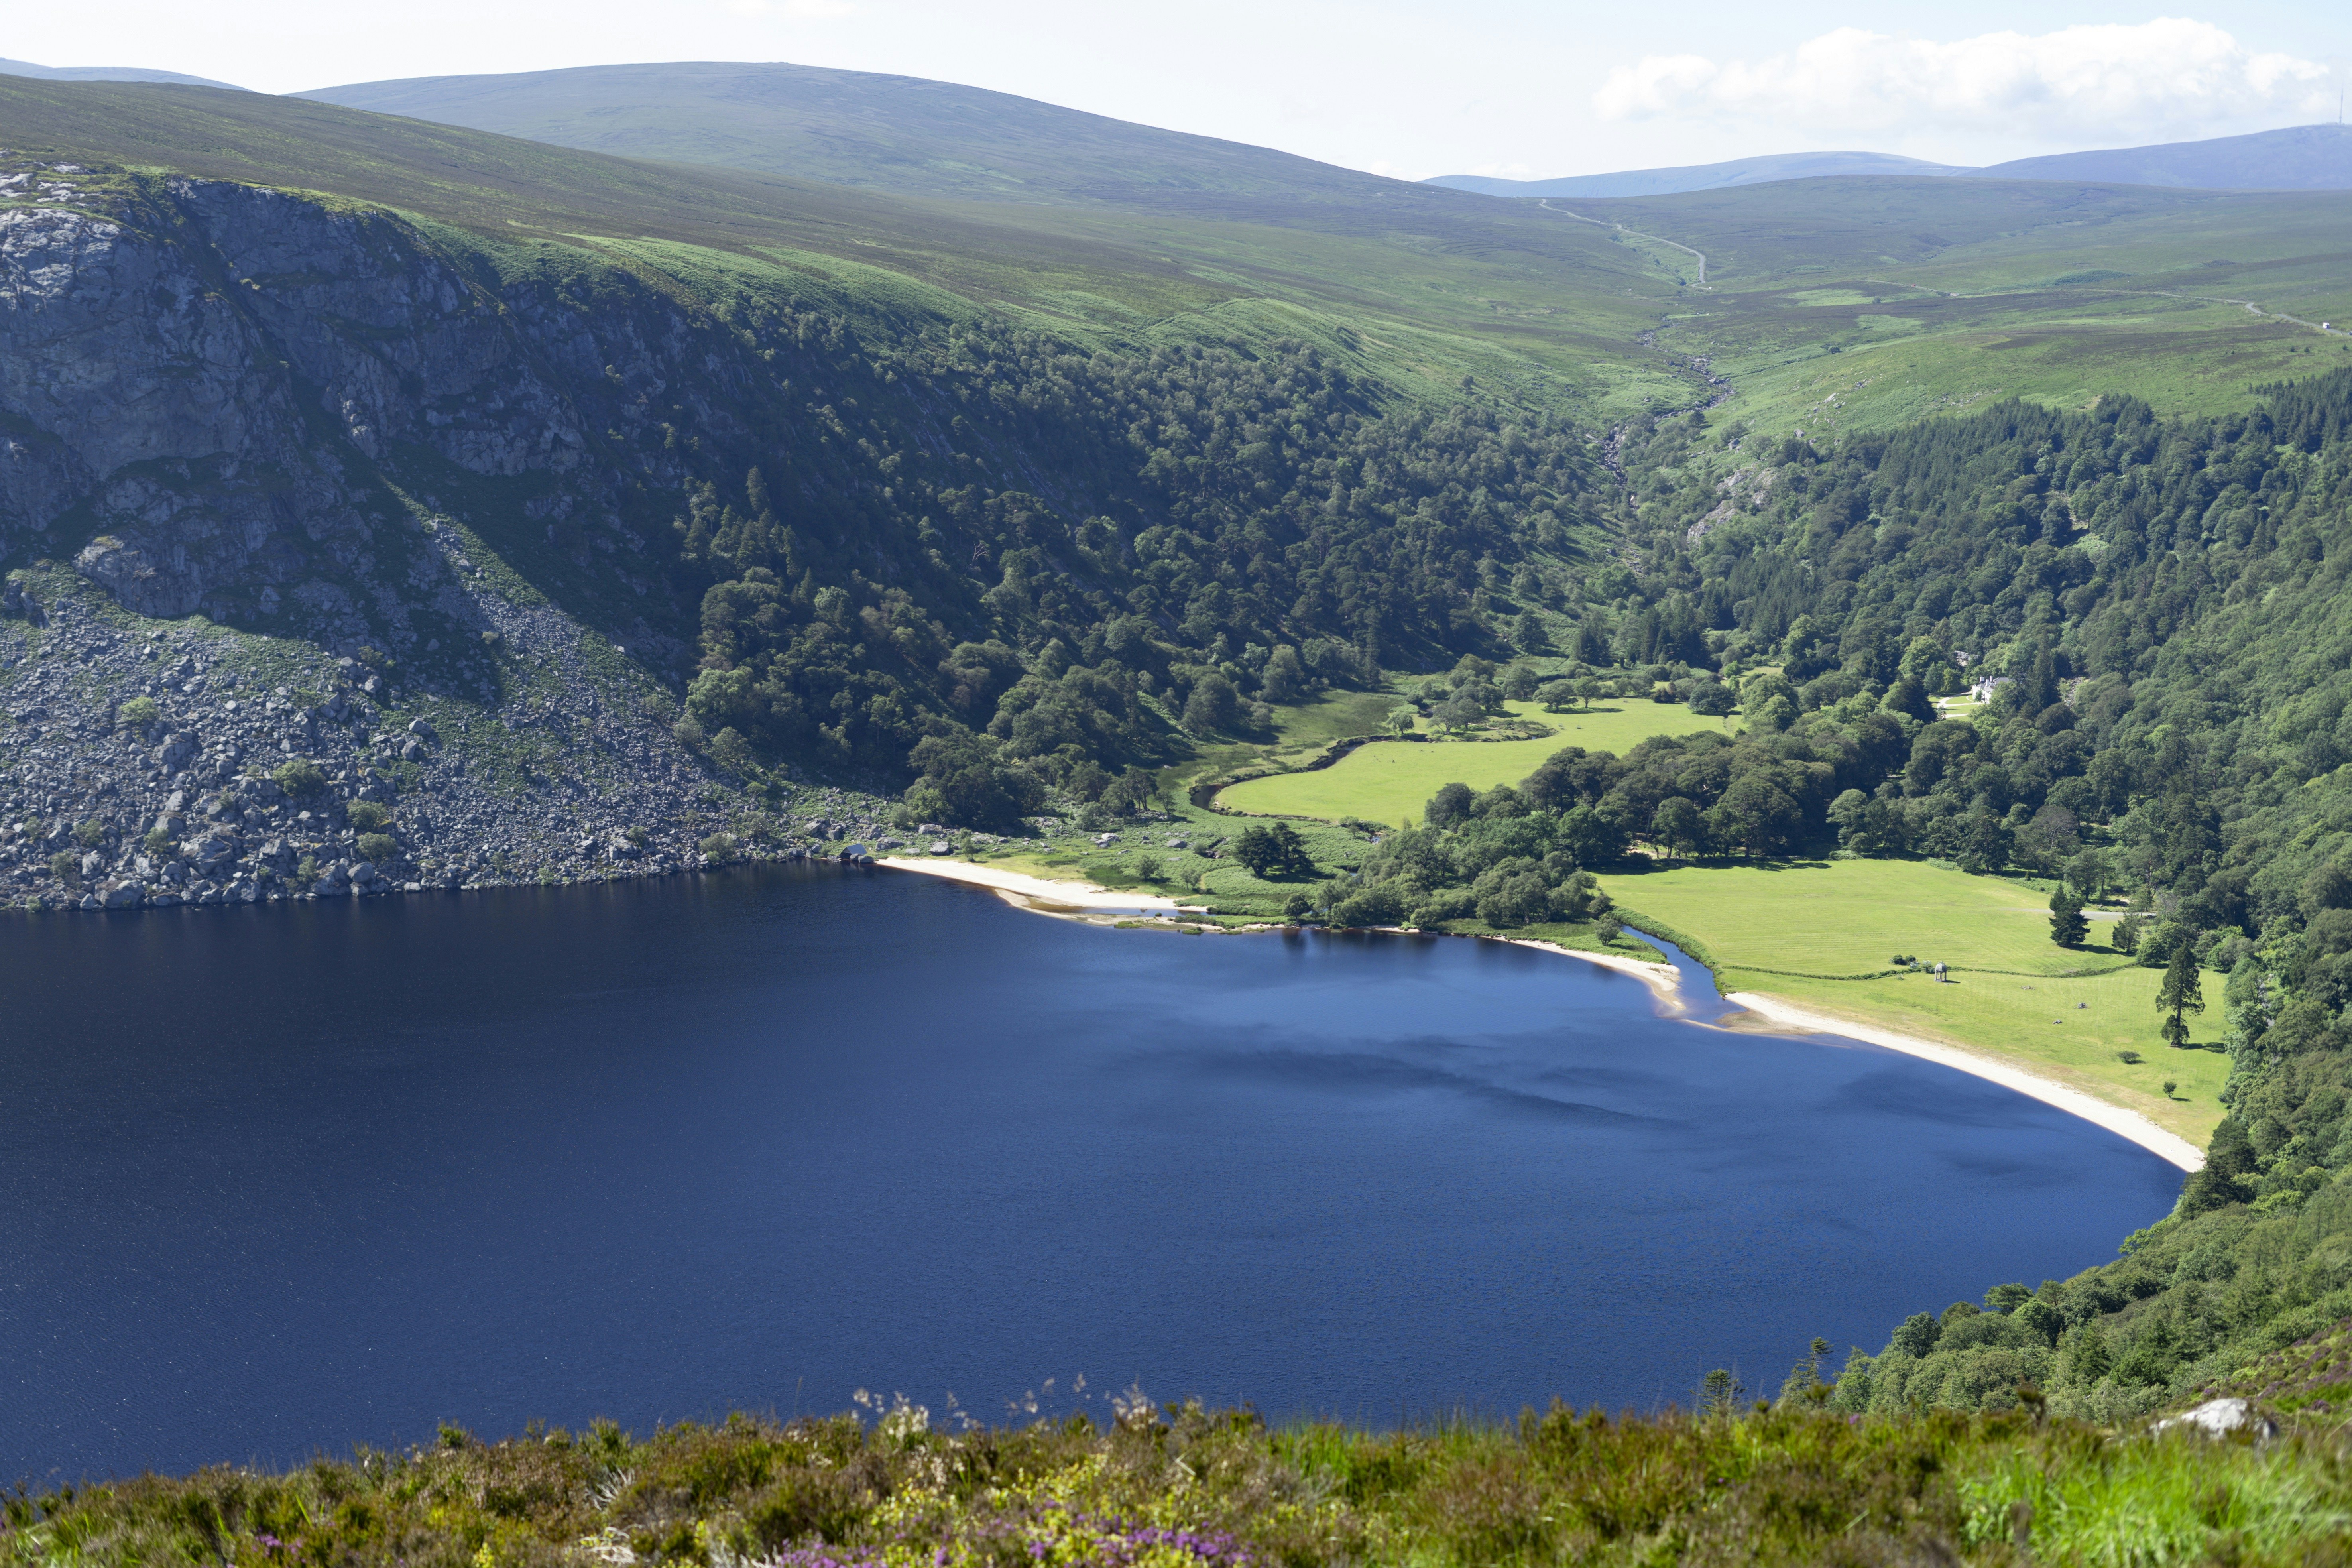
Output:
x=1034 y=558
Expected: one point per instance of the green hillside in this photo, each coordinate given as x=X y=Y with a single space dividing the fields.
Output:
x=518 y=190
x=1394 y=278
x=1953 y=290
x=2136 y=857
x=1828 y=304
x=1837 y=305
x=869 y=471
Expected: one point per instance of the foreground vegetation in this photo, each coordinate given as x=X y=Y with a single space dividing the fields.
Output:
x=1186 y=1485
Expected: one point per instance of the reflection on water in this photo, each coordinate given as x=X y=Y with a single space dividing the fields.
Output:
x=296 y=1176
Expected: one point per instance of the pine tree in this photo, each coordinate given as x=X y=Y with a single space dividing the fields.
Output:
x=2182 y=993
x=2067 y=926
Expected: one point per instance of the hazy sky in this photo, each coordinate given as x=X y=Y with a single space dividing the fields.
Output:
x=1503 y=87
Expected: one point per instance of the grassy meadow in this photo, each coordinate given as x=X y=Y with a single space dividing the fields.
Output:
x=1822 y=934
x=1389 y=782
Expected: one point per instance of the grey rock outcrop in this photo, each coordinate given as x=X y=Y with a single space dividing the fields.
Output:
x=329 y=433
x=223 y=376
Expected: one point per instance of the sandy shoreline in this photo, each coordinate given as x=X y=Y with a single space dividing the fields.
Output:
x=2131 y=1124
x=1037 y=894
x=1786 y=1019
x=1664 y=983
x=1032 y=892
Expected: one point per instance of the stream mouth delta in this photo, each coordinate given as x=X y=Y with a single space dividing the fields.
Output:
x=284 y=1179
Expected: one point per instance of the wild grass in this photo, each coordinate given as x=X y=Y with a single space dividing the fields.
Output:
x=2184 y=357
x=2157 y=1500
x=1174 y=1488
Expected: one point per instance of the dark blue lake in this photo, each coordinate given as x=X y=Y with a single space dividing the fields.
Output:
x=283 y=1179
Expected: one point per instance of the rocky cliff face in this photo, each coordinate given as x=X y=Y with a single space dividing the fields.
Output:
x=289 y=451
x=215 y=383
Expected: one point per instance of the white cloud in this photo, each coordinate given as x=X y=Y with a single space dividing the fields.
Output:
x=2173 y=78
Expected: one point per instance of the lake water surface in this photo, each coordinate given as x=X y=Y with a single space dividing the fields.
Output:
x=282 y=1179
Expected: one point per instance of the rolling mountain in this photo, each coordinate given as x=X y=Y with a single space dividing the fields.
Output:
x=2300 y=158
x=106 y=73
x=896 y=133
x=1700 y=177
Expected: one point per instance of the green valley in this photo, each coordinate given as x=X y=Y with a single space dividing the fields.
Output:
x=1840 y=304
x=643 y=469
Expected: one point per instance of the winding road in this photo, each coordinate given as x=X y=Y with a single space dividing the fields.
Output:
x=1545 y=203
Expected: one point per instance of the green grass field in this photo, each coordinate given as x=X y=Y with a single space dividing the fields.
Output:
x=1840 y=918
x=1390 y=781
x=1333 y=715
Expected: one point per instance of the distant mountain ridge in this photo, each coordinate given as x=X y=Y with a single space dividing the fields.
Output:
x=908 y=135
x=2298 y=158
x=1701 y=176
x=107 y=73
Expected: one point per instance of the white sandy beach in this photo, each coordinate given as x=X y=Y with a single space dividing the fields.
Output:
x=2125 y=1123
x=1032 y=891
x=1662 y=979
